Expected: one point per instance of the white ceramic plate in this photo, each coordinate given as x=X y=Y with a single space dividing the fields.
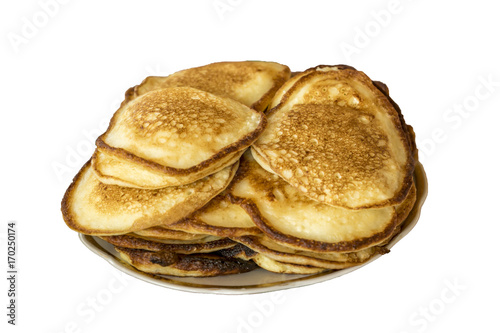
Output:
x=259 y=280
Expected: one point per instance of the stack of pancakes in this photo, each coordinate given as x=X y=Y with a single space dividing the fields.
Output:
x=224 y=168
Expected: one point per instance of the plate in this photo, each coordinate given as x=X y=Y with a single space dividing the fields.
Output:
x=259 y=280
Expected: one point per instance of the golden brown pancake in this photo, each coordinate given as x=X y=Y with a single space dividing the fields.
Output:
x=174 y=136
x=94 y=208
x=252 y=83
x=292 y=219
x=337 y=138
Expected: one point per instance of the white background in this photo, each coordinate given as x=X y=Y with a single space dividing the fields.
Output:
x=63 y=77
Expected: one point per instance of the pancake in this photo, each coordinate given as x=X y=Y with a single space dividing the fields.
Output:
x=204 y=239
x=182 y=133
x=206 y=126
x=131 y=242
x=160 y=232
x=284 y=268
x=117 y=170
x=357 y=156
x=403 y=211
x=264 y=245
x=252 y=83
x=284 y=88
x=332 y=260
x=243 y=252
x=239 y=251
x=292 y=219
x=220 y=217
x=197 y=265
x=94 y=208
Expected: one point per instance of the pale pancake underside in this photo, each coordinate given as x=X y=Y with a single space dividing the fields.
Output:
x=335 y=137
x=94 y=208
x=275 y=266
x=117 y=170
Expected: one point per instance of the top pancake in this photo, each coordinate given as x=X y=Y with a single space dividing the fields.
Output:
x=252 y=83
x=179 y=131
x=338 y=139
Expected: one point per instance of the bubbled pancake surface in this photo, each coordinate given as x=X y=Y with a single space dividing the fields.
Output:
x=252 y=83
x=338 y=139
x=181 y=130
